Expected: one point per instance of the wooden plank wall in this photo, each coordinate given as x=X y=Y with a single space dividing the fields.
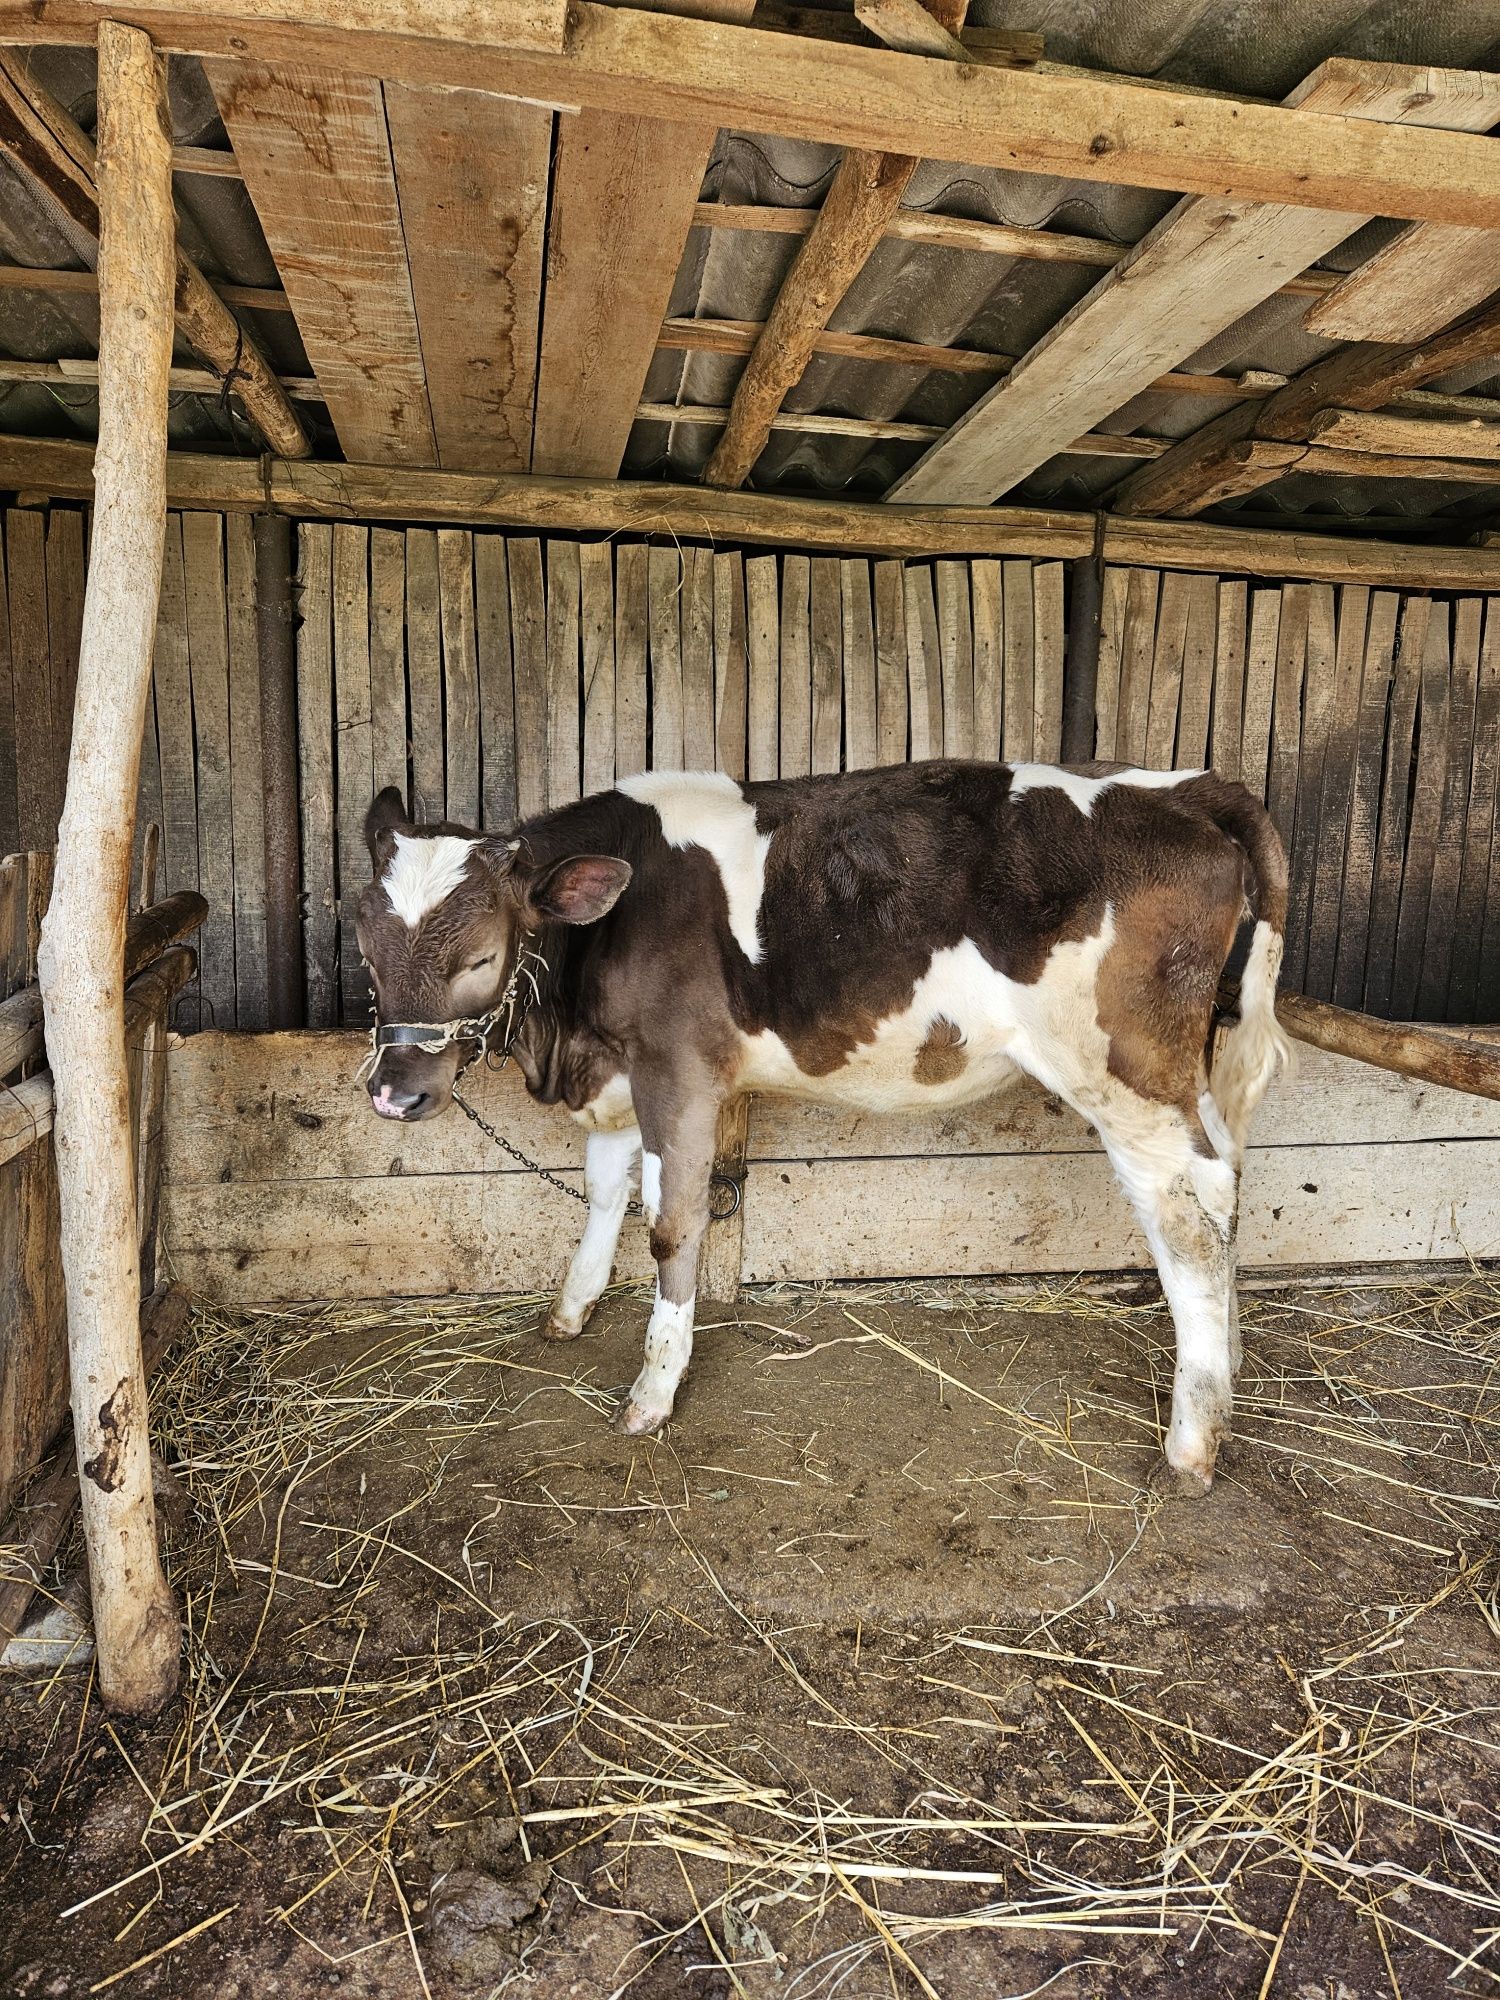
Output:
x=1369 y=721
x=280 y=1185
x=492 y=676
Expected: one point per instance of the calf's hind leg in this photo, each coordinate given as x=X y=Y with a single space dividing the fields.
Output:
x=1186 y=1197
x=609 y=1167
x=677 y=1163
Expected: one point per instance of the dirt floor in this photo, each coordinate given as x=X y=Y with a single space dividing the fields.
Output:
x=891 y=1669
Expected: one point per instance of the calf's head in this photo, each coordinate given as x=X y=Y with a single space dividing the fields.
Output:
x=441 y=927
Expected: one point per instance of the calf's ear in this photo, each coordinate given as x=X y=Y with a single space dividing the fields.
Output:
x=387 y=815
x=581 y=889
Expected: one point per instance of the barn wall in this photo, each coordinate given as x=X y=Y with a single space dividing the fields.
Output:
x=491 y=674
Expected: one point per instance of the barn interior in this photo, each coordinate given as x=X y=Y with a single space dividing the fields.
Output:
x=543 y=393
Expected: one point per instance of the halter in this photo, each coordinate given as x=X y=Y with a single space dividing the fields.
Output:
x=432 y=1037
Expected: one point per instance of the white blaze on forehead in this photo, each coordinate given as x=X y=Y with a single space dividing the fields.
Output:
x=1084 y=790
x=708 y=810
x=424 y=872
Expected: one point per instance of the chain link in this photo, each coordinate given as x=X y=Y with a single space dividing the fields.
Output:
x=515 y=1152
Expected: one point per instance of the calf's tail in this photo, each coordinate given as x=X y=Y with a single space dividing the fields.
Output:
x=1255 y=1048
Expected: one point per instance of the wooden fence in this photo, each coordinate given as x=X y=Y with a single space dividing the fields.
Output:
x=492 y=675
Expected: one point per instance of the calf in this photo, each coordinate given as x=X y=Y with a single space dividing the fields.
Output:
x=903 y=939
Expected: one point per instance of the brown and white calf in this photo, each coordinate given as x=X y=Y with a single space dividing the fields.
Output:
x=909 y=938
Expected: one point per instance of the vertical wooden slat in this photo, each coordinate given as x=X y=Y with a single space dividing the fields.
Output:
x=388 y=732
x=1332 y=820
x=174 y=729
x=923 y=665
x=1137 y=645
x=1448 y=845
x=796 y=666
x=1364 y=800
x=424 y=669
x=528 y=633
x=1048 y=583
x=1260 y=684
x=148 y=803
x=731 y=667
x=65 y=575
x=1286 y=718
x=1166 y=671
x=460 y=673
x=563 y=763
x=763 y=641
x=351 y=707
x=1425 y=826
x=497 y=694
x=664 y=604
x=246 y=779
x=597 y=629
x=1112 y=605
x=1018 y=730
x=1317 y=696
x=1465 y=977
x=631 y=616
x=827 y=664
x=1197 y=673
x=697 y=626
x=1487 y=997
x=208 y=659
x=989 y=656
x=956 y=657
x=1229 y=678
x=1390 y=839
x=860 y=724
x=890 y=664
x=42 y=758
x=315 y=760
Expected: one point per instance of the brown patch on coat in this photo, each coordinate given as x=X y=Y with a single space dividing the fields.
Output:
x=941 y=1056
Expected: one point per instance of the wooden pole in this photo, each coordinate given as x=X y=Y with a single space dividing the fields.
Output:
x=1434 y=1055
x=81 y=963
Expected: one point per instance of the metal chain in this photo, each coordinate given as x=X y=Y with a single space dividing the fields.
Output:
x=515 y=1152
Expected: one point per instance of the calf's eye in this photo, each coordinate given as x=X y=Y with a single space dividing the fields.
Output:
x=480 y=963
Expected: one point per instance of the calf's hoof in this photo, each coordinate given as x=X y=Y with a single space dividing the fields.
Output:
x=557 y=1325
x=1187 y=1474
x=640 y=1417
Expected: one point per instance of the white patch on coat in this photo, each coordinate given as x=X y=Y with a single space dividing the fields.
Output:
x=669 y=1348
x=424 y=872
x=707 y=809
x=1004 y=1025
x=1082 y=790
x=610 y=1168
x=611 y=1109
x=651 y=1186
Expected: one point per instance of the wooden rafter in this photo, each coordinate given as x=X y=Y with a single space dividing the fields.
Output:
x=1205 y=264
x=962 y=232
x=1248 y=447
x=316 y=157
x=1422 y=281
x=30 y=278
x=862 y=197
x=624 y=193
x=59 y=158
x=314 y=489
x=1085 y=127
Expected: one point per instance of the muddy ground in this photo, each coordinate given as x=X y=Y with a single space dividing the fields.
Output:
x=891 y=1669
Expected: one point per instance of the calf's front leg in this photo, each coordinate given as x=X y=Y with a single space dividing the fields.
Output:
x=676 y=1166
x=609 y=1169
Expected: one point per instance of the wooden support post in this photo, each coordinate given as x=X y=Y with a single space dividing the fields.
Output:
x=1081 y=667
x=83 y=938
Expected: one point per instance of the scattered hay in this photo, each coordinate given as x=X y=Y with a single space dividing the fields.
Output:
x=1190 y=1833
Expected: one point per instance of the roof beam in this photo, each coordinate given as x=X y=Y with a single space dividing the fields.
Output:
x=624 y=192
x=862 y=197
x=1221 y=459
x=31 y=278
x=1204 y=265
x=1415 y=437
x=316 y=157
x=1422 y=281
x=962 y=232
x=616 y=58
x=58 y=157
x=315 y=489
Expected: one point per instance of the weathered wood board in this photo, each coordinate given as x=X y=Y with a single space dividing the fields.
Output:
x=280 y=1183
